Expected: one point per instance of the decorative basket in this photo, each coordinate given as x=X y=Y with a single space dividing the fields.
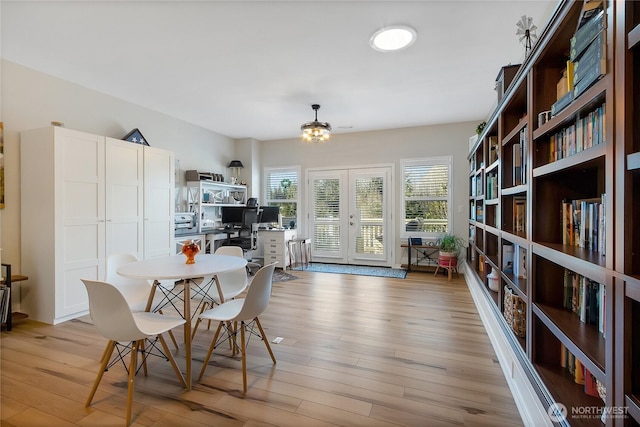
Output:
x=515 y=312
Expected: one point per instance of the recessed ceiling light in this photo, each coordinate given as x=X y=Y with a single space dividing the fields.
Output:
x=393 y=38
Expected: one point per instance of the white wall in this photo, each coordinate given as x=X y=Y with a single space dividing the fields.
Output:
x=386 y=147
x=30 y=99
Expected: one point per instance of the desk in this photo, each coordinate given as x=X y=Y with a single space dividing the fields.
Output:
x=427 y=254
x=174 y=268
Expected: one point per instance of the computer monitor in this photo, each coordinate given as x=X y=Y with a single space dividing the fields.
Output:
x=270 y=215
x=232 y=215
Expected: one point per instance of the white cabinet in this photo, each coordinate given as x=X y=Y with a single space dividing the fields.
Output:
x=272 y=246
x=81 y=200
x=124 y=176
x=206 y=199
x=159 y=188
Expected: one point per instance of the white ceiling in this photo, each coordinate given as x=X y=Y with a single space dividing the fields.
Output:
x=253 y=68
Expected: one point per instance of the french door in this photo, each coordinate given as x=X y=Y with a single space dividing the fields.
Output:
x=350 y=215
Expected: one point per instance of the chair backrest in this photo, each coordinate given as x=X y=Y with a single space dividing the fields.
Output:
x=230 y=250
x=135 y=291
x=249 y=217
x=110 y=312
x=233 y=282
x=258 y=295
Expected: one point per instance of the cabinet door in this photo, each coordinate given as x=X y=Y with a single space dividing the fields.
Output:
x=124 y=197
x=80 y=169
x=158 y=202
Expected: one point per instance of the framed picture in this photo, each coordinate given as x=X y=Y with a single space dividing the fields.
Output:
x=415 y=241
x=136 y=137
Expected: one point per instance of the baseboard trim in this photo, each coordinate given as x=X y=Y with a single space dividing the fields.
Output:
x=532 y=411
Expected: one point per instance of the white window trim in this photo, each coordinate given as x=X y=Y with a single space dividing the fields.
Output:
x=298 y=171
x=426 y=161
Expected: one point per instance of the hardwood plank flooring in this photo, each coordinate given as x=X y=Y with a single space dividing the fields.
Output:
x=357 y=351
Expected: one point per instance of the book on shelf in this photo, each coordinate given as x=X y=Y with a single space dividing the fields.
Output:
x=519 y=214
x=561 y=103
x=517 y=164
x=588 y=131
x=583 y=223
x=594 y=54
x=586 y=33
x=523 y=153
x=585 y=298
x=507 y=258
x=581 y=375
x=492 y=186
x=519 y=261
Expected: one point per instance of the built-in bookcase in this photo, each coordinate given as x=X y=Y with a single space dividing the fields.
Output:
x=627 y=204
x=568 y=202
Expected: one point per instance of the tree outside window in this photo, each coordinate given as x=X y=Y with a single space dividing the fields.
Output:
x=427 y=196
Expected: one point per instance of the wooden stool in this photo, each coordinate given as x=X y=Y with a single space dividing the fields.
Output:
x=299 y=252
x=448 y=262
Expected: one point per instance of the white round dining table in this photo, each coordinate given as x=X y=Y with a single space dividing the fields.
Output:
x=175 y=268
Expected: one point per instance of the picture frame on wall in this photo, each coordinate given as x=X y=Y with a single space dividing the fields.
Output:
x=136 y=137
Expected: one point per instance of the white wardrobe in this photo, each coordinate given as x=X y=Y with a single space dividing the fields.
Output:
x=83 y=198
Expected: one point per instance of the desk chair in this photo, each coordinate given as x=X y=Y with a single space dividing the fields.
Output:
x=247 y=237
x=114 y=319
x=246 y=311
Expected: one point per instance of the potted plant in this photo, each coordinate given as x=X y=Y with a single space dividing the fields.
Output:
x=450 y=246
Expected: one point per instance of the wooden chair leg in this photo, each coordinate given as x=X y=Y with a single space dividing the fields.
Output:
x=195 y=328
x=108 y=351
x=211 y=347
x=132 y=377
x=265 y=339
x=174 y=365
x=244 y=357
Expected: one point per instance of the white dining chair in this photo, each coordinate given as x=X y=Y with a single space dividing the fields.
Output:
x=115 y=320
x=245 y=311
x=229 y=284
x=136 y=291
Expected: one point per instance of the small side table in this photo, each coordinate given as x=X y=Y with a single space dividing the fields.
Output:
x=8 y=280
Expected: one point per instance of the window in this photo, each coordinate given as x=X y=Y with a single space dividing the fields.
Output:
x=282 y=189
x=426 y=197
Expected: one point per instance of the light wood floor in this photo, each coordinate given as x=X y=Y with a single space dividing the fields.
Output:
x=357 y=351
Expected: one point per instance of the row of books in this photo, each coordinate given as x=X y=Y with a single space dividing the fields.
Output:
x=5 y=294
x=584 y=223
x=587 y=132
x=587 y=57
x=519 y=214
x=492 y=186
x=586 y=298
x=514 y=260
x=581 y=375
x=520 y=159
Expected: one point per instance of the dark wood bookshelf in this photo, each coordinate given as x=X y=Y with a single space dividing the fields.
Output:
x=585 y=159
x=580 y=338
x=610 y=167
x=591 y=98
